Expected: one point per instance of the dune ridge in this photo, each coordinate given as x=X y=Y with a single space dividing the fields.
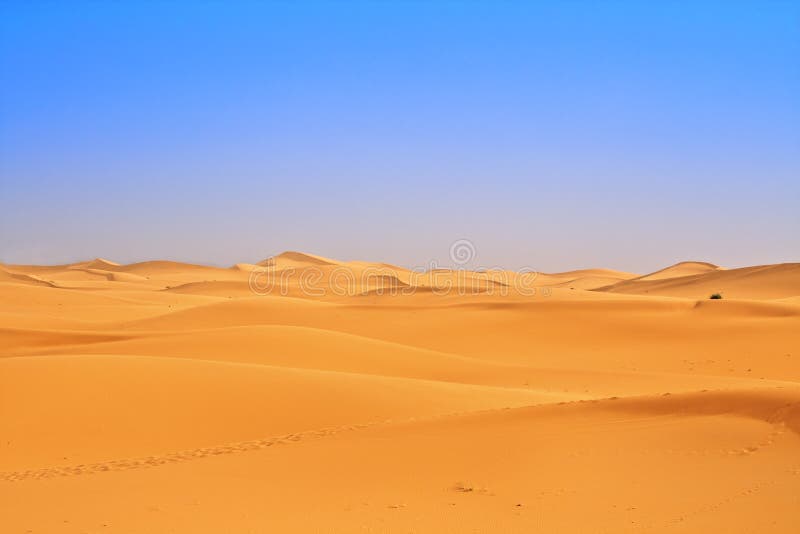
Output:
x=683 y=268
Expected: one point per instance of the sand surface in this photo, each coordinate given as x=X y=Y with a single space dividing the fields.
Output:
x=358 y=397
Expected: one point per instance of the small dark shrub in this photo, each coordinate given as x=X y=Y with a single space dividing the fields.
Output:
x=716 y=296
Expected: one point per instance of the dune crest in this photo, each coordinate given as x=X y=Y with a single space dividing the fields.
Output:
x=296 y=259
x=684 y=268
x=97 y=263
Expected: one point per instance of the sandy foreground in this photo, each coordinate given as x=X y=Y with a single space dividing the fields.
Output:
x=355 y=397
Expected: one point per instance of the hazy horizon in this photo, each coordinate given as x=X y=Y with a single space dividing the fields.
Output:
x=442 y=261
x=557 y=136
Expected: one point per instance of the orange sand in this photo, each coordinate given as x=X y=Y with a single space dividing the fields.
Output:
x=167 y=397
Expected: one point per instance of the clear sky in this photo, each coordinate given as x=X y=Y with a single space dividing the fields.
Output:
x=553 y=134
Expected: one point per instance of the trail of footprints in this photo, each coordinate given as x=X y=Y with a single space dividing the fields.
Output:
x=145 y=462
x=175 y=457
x=244 y=446
x=205 y=452
x=731 y=499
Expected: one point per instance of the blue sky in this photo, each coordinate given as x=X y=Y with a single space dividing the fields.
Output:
x=554 y=135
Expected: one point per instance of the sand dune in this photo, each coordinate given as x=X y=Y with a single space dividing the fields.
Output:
x=604 y=273
x=684 y=268
x=295 y=259
x=762 y=282
x=169 y=397
x=15 y=277
x=97 y=263
x=105 y=401
x=246 y=267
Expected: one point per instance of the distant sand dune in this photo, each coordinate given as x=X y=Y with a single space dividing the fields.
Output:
x=14 y=277
x=296 y=259
x=97 y=263
x=684 y=268
x=766 y=281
